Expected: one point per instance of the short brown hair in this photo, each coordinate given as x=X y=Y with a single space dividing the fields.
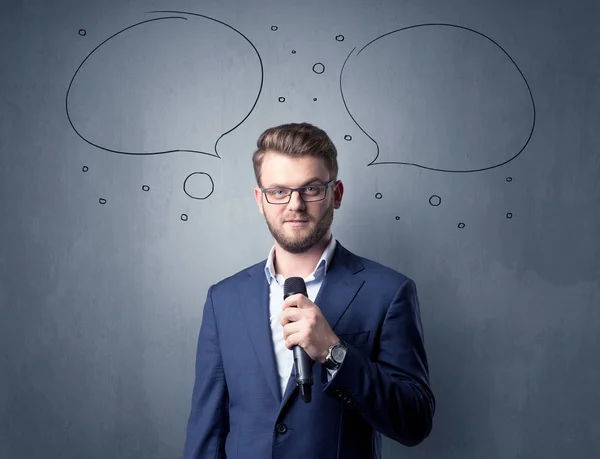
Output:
x=296 y=139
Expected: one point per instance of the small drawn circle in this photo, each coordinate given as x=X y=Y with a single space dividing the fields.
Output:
x=82 y=32
x=339 y=38
x=461 y=225
x=397 y=217
x=184 y=217
x=509 y=179
x=200 y=185
x=274 y=28
x=102 y=201
x=378 y=196
x=145 y=187
x=509 y=215
x=318 y=68
x=85 y=169
x=314 y=99
x=348 y=138
x=281 y=99
x=435 y=200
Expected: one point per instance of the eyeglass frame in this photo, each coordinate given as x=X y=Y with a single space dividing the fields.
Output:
x=326 y=185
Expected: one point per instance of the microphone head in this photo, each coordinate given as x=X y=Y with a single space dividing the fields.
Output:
x=293 y=286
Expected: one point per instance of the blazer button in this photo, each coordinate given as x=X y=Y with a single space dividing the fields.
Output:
x=281 y=428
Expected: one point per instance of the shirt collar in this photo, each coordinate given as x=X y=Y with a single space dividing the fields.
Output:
x=318 y=273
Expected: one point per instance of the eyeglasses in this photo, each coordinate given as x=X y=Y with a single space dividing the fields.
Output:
x=308 y=193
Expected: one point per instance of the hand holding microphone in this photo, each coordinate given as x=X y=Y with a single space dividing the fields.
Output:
x=306 y=332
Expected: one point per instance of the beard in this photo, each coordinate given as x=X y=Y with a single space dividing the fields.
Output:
x=300 y=243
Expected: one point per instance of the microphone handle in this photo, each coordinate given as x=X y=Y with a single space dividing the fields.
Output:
x=302 y=364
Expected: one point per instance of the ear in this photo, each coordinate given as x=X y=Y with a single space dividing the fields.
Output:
x=338 y=192
x=258 y=197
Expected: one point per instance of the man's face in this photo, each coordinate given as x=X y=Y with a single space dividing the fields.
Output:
x=298 y=225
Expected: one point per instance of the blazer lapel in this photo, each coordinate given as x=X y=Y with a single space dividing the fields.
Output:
x=339 y=288
x=340 y=285
x=254 y=303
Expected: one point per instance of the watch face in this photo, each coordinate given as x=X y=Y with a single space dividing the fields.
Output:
x=338 y=353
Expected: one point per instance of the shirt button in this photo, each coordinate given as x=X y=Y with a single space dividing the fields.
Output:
x=281 y=428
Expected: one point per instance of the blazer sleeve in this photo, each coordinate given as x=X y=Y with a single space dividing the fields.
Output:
x=391 y=391
x=208 y=423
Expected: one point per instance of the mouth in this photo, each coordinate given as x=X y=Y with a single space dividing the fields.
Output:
x=297 y=222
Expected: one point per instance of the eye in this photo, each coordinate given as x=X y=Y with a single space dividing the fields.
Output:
x=310 y=190
x=276 y=192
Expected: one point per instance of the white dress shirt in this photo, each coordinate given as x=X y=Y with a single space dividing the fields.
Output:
x=285 y=357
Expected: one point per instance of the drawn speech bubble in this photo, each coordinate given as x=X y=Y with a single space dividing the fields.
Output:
x=440 y=97
x=178 y=82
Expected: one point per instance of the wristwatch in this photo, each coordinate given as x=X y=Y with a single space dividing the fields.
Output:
x=335 y=356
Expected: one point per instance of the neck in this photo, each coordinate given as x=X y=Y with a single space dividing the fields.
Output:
x=299 y=264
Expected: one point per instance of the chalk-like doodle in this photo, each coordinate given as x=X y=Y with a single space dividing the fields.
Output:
x=438 y=97
x=318 y=68
x=198 y=185
x=435 y=200
x=152 y=87
x=149 y=89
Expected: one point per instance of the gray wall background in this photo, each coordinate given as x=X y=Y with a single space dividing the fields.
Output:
x=100 y=304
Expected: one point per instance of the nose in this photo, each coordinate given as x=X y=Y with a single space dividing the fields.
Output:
x=296 y=201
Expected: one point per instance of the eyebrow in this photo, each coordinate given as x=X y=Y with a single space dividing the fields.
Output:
x=309 y=182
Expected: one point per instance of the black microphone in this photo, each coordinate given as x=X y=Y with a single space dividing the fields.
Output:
x=302 y=362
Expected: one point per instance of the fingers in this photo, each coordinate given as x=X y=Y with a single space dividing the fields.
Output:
x=290 y=315
x=299 y=320
x=298 y=300
x=291 y=329
x=292 y=341
x=296 y=325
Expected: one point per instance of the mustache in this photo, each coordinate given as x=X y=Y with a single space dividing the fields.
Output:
x=305 y=217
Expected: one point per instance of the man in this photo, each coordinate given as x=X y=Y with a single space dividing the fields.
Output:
x=360 y=325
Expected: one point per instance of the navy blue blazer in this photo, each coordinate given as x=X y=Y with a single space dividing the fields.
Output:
x=382 y=387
